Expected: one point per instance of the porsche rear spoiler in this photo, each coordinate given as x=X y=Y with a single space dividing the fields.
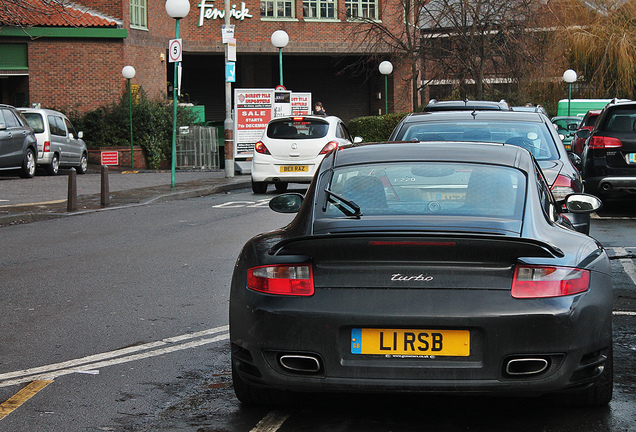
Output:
x=527 y=247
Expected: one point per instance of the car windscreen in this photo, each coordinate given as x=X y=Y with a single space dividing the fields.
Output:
x=533 y=136
x=297 y=129
x=35 y=121
x=427 y=188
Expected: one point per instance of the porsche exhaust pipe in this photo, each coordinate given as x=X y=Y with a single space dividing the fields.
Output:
x=300 y=363
x=526 y=366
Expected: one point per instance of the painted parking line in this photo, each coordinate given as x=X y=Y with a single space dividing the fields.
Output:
x=111 y=358
x=18 y=399
x=628 y=263
x=271 y=422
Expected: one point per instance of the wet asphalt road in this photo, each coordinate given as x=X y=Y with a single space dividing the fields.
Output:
x=200 y=397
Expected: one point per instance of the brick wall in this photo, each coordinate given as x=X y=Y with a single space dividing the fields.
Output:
x=76 y=74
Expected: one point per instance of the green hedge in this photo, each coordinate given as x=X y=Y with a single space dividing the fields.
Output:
x=375 y=128
x=152 y=126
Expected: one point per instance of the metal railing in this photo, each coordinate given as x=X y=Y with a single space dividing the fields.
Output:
x=197 y=148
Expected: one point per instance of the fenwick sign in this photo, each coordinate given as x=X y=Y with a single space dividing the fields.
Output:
x=207 y=10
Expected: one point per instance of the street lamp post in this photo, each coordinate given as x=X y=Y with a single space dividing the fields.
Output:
x=176 y=9
x=280 y=39
x=129 y=72
x=569 y=76
x=385 y=69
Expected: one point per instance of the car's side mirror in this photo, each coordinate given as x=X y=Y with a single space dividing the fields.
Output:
x=583 y=133
x=357 y=140
x=80 y=134
x=582 y=203
x=286 y=203
x=3 y=126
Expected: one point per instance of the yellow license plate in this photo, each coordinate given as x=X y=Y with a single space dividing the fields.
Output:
x=410 y=342
x=294 y=168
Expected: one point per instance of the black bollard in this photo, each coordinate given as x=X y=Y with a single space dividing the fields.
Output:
x=104 y=191
x=71 y=200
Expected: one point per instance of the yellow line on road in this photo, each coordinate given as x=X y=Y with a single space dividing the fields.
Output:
x=15 y=401
x=34 y=204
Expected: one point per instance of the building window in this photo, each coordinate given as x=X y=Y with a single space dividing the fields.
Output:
x=320 y=9
x=362 y=9
x=138 y=13
x=277 y=8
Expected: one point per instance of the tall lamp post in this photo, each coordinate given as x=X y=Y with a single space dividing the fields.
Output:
x=385 y=69
x=129 y=72
x=176 y=9
x=569 y=76
x=280 y=39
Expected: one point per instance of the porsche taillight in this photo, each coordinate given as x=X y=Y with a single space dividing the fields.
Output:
x=330 y=146
x=47 y=146
x=260 y=147
x=282 y=279
x=548 y=281
x=603 y=142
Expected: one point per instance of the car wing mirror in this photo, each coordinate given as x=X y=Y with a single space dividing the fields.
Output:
x=583 y=133
x=3 y=126
x=357 y=140
x=286 y=203
x=80 y=134
x=582 y=203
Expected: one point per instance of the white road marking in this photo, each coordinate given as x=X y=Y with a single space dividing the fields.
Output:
x=111 y=358
x=628 y=263
x=271 y=422
x=624 y=313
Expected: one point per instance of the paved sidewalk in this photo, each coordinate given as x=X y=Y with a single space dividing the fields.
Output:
x=45 y=197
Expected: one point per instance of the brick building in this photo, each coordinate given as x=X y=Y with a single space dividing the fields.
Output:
x=72 y=59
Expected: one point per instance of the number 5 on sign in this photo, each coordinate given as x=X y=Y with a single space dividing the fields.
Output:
x=175 y=51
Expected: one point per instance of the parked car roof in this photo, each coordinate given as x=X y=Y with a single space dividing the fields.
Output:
x=466 y=104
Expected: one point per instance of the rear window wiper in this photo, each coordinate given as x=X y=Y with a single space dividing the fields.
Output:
x=338 y=201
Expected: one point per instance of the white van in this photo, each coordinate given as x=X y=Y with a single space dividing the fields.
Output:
x=59 y=145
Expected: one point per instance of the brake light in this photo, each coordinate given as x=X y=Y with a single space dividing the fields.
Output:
x=562 y=187
x=548 y=281
x=602 y=142
x=298 y=119
x=259 y=147
x=47 y=146
x=283 y=279
x=331 y=145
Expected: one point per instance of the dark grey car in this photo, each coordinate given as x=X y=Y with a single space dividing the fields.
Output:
x=18 y=145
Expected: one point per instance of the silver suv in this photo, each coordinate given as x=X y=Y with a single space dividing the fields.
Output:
x=59 y=145
x=18 y=145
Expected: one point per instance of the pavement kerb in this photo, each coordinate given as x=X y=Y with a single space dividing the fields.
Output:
x=43 y=214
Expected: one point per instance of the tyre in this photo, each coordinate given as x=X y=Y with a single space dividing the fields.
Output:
x=28 y=166
x=83 y=166
x=599 y=394
x=54 y=168
x=281 y=187
x=252 y=395
x=259 y=187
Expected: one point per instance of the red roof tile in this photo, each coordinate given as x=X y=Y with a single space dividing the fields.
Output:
x=50 y=13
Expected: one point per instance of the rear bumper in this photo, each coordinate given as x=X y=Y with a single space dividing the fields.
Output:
x=570 y=334
x=610 y=184
x=267 y=169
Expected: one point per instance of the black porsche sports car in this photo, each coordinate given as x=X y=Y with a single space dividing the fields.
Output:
x=440 y=268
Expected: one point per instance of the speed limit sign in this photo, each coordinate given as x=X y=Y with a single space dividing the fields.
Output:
x=175 y=50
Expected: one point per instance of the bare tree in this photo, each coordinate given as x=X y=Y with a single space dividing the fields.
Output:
x=472 y=40
x=396 y=33
x=25 y=13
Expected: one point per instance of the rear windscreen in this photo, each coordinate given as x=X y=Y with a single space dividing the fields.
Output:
x=297 y=129
x=35 y=121
x=422 y=188
x=533 y=136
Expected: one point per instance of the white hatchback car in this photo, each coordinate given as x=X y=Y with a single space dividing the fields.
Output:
x=292 y=148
